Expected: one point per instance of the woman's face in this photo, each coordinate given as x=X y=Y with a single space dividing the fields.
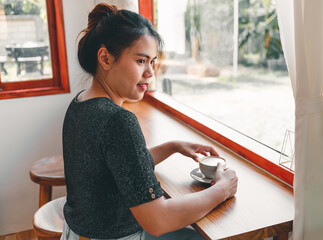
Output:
x=130 y=75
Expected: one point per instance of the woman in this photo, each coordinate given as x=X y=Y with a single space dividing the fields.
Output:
x=112 y=192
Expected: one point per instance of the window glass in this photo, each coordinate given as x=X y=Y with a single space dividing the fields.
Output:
x=225 y=60
x=24 y=41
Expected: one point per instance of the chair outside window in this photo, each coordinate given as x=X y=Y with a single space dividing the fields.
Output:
x=29 y=56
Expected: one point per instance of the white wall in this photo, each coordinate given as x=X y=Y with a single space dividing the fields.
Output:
x=30 y=129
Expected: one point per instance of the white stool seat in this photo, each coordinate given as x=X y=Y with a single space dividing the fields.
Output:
x=49 y=219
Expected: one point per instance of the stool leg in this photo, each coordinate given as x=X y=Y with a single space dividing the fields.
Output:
x=45 y=194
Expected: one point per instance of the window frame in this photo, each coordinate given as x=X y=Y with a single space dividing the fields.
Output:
x=244 y=146
x=59 y=83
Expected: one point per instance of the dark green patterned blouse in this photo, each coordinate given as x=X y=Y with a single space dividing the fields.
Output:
x=108 y=169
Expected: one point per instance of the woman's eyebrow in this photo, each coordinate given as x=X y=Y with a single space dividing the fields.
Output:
x=145 y=55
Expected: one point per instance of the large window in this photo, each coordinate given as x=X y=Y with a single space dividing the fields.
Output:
x=224 y=60
x=32 y=48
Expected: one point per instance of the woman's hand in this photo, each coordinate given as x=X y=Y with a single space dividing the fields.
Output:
x=191 y=149
x=163 y=151
x=227 y=177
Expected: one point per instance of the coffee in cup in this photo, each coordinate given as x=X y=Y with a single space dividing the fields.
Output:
x=208 y=165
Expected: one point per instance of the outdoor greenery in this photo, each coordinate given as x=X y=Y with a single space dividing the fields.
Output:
x=22 y=7
x=258 y=25
x=259 y=39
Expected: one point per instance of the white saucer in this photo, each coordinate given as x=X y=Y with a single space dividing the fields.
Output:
x=198 y=176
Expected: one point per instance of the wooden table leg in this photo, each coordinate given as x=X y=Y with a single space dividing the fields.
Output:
x=45 y=194
x=283 y=236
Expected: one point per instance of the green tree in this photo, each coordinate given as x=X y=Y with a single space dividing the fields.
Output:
x=19 y=7
x=258 y=21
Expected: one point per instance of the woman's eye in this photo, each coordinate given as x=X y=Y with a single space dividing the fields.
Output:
x=141 y=61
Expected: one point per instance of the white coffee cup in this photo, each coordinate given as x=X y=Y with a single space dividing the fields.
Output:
x=208 y=165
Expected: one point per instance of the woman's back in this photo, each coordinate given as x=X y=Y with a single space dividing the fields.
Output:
x=97 y=162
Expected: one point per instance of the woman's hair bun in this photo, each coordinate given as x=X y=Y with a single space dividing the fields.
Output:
x=100 y=11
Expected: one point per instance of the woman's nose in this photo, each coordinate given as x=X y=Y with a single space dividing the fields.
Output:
x=149 y=72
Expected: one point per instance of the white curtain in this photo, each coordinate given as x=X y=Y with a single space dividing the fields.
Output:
x=301 y=30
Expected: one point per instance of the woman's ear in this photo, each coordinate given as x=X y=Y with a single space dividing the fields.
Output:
x=105 y=59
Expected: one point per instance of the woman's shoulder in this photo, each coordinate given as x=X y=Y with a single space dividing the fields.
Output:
x=103 y=109
x=99 y=105
x=106 y=110
x=124 y=116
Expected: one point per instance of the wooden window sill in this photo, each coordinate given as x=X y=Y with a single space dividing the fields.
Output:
x=32 y=92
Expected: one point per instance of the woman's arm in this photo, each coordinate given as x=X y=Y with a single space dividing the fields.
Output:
x=165 y=215
x=163 y=151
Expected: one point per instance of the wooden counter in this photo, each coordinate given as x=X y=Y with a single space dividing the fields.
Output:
x=263 y=206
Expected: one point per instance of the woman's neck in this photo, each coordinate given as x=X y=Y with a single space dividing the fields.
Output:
x=100 y=88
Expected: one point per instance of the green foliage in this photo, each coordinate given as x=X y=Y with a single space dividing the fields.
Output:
x=259 y=38
x=274 y=50
x=258 y=21
x=21 y=7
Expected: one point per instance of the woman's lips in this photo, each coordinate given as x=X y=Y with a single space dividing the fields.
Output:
x=143 y=86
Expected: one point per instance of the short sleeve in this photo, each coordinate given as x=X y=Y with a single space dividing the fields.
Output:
x=129 y=160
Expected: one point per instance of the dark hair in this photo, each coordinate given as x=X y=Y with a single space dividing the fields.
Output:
x=116 y=29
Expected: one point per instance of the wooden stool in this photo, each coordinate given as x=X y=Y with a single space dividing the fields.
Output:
x=47 y=172
x=49 y=219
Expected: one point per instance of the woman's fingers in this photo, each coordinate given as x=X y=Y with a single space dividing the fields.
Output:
x=229 y=177
x=213 y=152
x=220 y=167
x=195 y=157
x=233 y=189
x=207 y=149
x=191 y=150
x=192 y=154
x=203 y=153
